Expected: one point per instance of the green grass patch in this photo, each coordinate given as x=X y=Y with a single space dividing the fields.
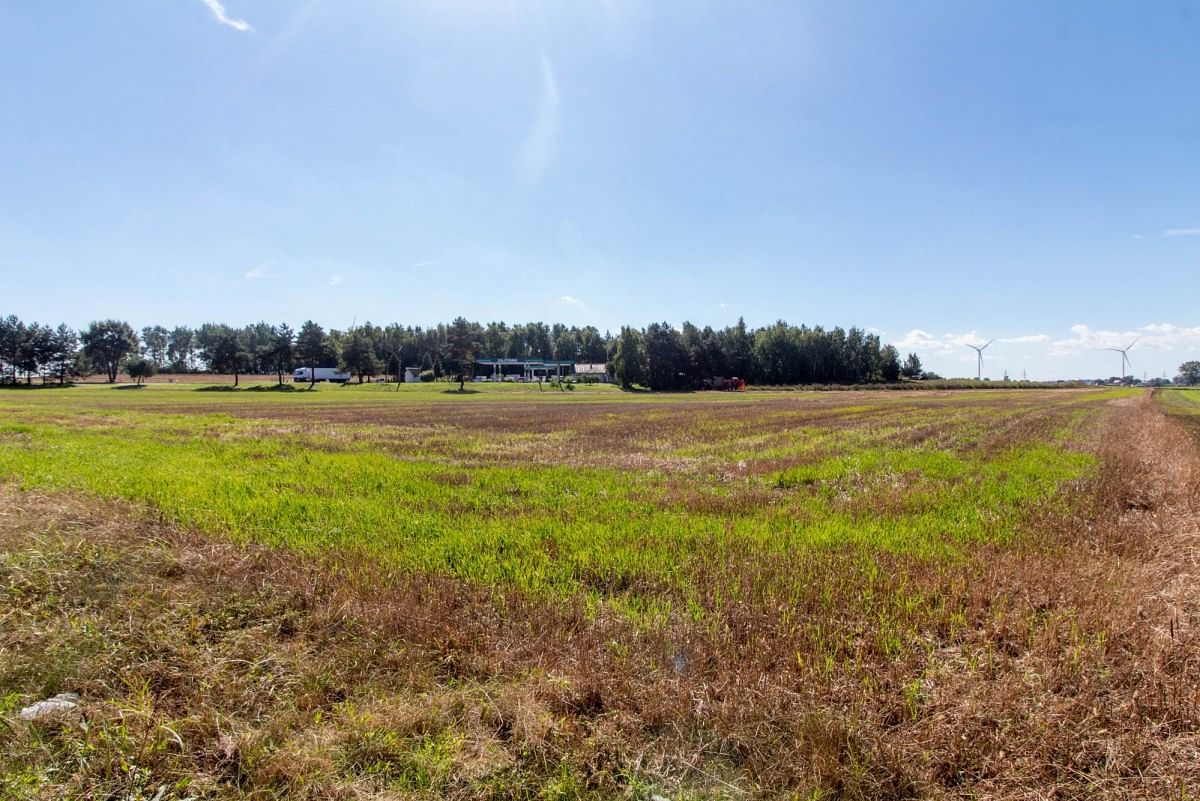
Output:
x=902 y=478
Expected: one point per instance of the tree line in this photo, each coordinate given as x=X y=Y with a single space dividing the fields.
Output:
x=660 y=356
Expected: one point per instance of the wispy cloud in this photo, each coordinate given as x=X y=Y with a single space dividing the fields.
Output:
x=421 y=264
x=342 y=279
x=568 y=300
x=218 y=10
x=1170 y=233
x=259 y=272
x=1025 y=339
x=542 y=142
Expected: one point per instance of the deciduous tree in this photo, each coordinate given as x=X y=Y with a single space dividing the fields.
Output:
x=912 y=366
x=156 y=341
x=1189 y=372
x=107 y=343
x=140 y=368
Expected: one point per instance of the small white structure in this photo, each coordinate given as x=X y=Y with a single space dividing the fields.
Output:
x=323 y=374
x=412 y=375
x=598 y=372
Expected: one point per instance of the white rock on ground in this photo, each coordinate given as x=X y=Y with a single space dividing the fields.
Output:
x=61 y=704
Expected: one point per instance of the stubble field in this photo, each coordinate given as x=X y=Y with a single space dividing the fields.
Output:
x=357 y=593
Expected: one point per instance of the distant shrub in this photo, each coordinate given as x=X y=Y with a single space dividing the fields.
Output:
x=427 y=376
x=140 y=369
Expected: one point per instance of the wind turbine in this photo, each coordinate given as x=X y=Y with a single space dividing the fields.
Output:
x=979 y=354
x=1125 y=363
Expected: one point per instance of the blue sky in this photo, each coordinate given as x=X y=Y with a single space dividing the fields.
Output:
x=944 y=173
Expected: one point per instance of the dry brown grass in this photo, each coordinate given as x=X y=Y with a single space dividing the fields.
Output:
x=1063 y=667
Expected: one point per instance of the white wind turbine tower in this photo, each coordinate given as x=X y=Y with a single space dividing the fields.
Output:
x=979 y=349
x=1126 y=364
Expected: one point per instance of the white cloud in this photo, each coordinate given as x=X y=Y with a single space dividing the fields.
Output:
x=336 y=280
x=916 y=339
x=421 y=264
x=1159 y=336
x=1077 y=352
x=542 y=141
x=568 y=300
x=259 y=272
x=218 y=10
x=961 y=340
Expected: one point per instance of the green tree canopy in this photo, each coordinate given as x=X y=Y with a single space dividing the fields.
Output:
x=912 y=366
x=311 y=348
x=140 y=368
x=358 y=356
x=629 y=366
x=1189 y=372
x=224 y=350
x=464 y=339
x=107 y=343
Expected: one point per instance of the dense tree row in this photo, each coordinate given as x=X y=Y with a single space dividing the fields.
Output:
x=110 y=346
x=663 y=357
x=660 y=356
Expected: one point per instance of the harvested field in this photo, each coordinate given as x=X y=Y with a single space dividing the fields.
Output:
x=360 y=593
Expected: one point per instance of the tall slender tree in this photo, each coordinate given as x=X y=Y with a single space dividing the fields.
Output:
x=156 y=341
x=282 y=354
x=64 y=359
x=463 y=342
x=181 y=348
x=311 y=348
x=12 y=340
x=629 y=365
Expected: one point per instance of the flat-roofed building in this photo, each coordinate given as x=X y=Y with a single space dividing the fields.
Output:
x=522 y=369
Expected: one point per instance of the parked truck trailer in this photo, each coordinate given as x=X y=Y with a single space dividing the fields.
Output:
x=323 y=374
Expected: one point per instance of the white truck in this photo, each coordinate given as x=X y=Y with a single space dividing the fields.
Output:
x=305 y=374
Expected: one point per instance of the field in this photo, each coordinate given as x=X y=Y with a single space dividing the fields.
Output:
x=516 y=592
